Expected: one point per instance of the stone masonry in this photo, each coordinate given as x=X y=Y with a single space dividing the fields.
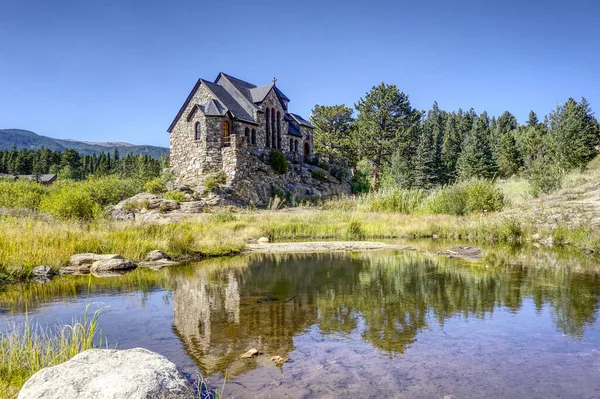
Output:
x=232 y=126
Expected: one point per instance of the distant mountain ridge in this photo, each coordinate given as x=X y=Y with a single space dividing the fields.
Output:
x=25 y=139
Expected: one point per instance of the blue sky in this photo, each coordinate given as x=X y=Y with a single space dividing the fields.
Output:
x=119 y=70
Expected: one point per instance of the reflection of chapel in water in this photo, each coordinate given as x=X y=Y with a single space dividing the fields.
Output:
x=216 y=324
x=263 y=302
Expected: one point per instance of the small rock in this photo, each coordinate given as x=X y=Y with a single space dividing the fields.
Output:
x=157 y=255
x=111 y=265
x=262 y=240
x=43 y=271
x=108 y=373
x=251 y=353
x=279 y=359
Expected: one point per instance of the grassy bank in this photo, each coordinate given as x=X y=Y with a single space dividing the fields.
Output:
x=28 y=349
x=48 y=225
x=29 y=242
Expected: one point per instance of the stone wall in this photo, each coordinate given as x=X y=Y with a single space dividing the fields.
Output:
x=246 y=165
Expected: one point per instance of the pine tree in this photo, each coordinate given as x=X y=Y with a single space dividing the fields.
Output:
x=477 y=160
x=533 y=119
x=509 y=157
x=451 y=147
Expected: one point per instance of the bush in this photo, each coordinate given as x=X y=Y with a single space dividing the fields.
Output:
x=392 y=200
x=213 y=182
x=278 y=162
x=319 y=175
x=70 y=202
x=360 y=183
x=108 y=190
x=21 y=193
x=544 y=178
x=472 y=196
x=155 y=186
x=175 y=195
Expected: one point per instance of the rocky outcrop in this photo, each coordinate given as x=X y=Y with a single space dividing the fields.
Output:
x=467 y=253
x=110 y=265
x=156 y=255
x=153 y=207
x=109 y=374
x=82 y=263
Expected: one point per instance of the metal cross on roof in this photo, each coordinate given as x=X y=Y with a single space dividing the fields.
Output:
x=274 y=80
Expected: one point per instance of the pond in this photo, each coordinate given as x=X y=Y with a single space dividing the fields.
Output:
x=370 y=324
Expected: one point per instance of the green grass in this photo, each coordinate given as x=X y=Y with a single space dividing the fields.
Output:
x=29 y=348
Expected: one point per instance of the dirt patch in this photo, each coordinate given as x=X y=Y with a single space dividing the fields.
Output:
x=327 y=246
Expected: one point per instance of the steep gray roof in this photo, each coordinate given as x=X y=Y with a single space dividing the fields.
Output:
x=213 y=108
x=236 y=96
x=293 y=130
x=228 y=101
x=301 y=121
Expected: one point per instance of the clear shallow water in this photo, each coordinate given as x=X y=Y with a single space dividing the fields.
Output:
x=376 y=324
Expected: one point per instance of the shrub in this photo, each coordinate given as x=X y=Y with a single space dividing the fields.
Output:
x=134 y=206
x=392 y=200
x=21 y=194
x=360 y=183
x=213 y=182
x=70 y=202
x=222 y=217
x=319 y=175
x=544 y=178
x=278 y=162
x=472 y=196
x=175 y=195
x=449 y=200
x=155 y=186
x=108 y=190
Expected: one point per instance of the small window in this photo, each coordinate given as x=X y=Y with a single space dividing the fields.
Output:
x=268 y=124
x=226 y=134
x=291 y=145
x=296 y=146
x=197 y=131
x=253 y=136
x=247 y=135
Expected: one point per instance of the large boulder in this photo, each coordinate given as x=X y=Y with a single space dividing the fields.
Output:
x=81 y=263
x=109 y=374
x=109 y=265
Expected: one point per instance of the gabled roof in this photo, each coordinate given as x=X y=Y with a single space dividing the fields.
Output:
x=301 y=121
x=213 y=108
x=229 y=102
x=236 y=96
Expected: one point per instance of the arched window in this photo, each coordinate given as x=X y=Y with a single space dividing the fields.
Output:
x=273 y=131
x=306 y=150
x=278 y=130
x=268 y=119
x=296 y=146
x=291 y=145
x=197 y=131
x=247 y=135
x=226 y=134
x=253 y=136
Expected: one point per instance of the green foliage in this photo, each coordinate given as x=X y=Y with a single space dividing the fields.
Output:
x=26 y=349
x=354 y=230
x=392 y=200
x=544 y=177
x=68 y=199
x=175 y=195
x=214 y=181
x=135 y=206
x=477 y=158
x=574 y=134
x=385 y=124
x=472 y=196
x=70 y=202
x=222 y=217
x=319 y=175
x=155 y=186
x=278 y=162
x=21 y=194
x=334 y=130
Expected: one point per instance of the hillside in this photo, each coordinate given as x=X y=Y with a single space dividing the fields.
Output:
x=25 y=139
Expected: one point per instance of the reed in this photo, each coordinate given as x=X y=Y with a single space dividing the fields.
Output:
x=29 y=348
